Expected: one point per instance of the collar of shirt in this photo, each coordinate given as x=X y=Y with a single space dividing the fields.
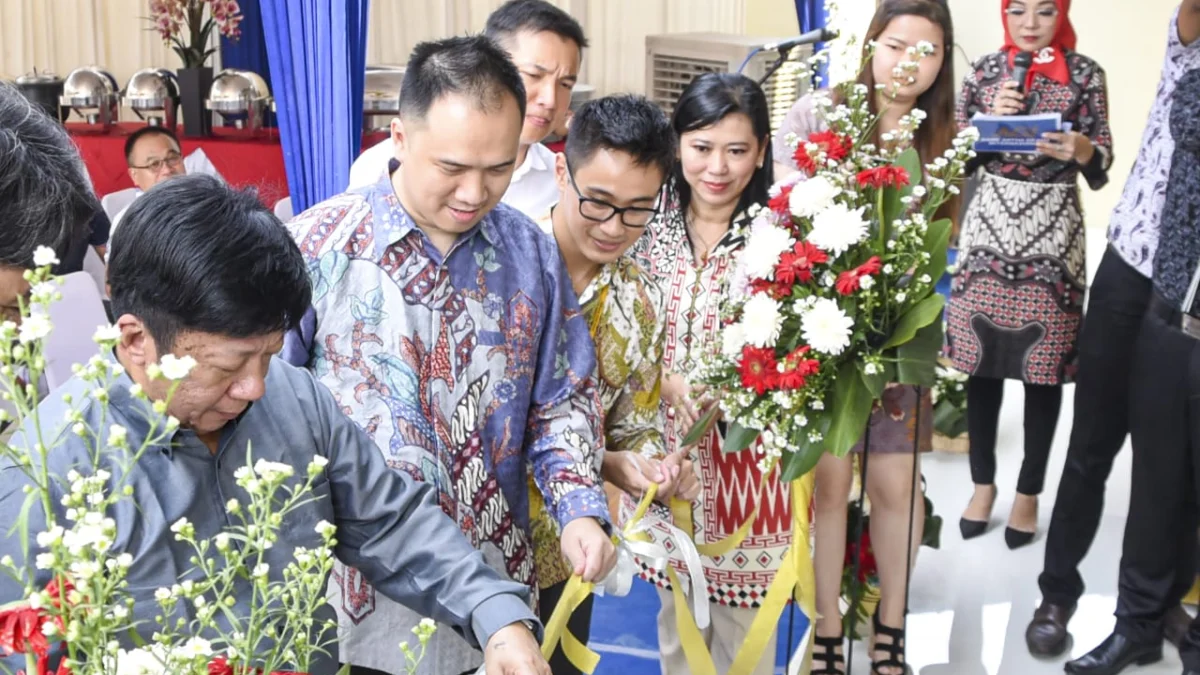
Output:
x=533 y=189
x=391 y=221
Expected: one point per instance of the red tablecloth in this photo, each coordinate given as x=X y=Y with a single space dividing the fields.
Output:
x=243 y=161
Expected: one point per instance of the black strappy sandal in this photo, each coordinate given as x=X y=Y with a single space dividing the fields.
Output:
x=825 y=651
x=894 y=649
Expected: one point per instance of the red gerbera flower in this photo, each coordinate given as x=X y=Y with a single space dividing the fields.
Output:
x=884 y=176
x=850 y=280
x=780 y=203
x=869 y=268
x=759 y=369
x=776 y=289
x=796 y=266
x=796 y=369
x=834 y=146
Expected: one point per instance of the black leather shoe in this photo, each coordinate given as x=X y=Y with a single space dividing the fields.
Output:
x=1114 y=655
x=1047 y=633
x=971 y=528
x=1176 y=624
x=1016 y=538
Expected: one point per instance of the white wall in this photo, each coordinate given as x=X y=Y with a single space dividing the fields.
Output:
x=1127 y=38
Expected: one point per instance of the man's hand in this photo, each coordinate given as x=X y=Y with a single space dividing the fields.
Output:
x=589 y=550
x=630 y=472
x=513 y=650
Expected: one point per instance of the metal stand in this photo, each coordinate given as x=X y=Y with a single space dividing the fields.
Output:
x=856 y=585
x=784 y=52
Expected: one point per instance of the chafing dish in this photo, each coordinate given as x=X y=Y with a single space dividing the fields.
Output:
x=153 y=93
x=94 y=95
x=240 y=96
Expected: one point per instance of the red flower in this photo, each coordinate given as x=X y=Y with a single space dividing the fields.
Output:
x=850 y=280
x=832 y=144
x=780 y=203
x=775 y=289
x=796 y=369
x=884 y=176
x=796 y=266
x=21 y=631
x=759 y=369
x=866 y=553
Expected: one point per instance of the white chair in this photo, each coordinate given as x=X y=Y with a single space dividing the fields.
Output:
x=76 y=318
x=114 y=202
x=95 y=268
x=283 y=209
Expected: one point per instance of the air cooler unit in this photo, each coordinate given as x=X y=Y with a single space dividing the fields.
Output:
x=673 y=60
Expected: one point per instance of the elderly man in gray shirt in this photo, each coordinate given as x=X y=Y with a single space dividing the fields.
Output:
x=209 y=273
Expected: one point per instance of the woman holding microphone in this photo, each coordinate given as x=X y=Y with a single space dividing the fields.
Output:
x=1016 y=303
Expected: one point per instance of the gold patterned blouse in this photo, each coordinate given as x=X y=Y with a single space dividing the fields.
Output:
x=623 y=309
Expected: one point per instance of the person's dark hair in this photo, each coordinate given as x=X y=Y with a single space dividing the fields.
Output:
x=533 y=16
x=707 y=100
x=46 y=198
x=473 y=66
x=624 y=123
x=193 y=254
x=144 y=132
x=937 y=132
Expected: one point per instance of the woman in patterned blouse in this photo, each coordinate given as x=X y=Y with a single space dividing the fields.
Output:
x=898 y=25
x=724 y=167
x=1016 y=302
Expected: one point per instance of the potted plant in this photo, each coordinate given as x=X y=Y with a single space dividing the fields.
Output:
x=187 y=26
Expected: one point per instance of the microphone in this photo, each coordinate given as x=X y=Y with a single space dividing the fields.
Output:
x=812 y=37
x=1022 y=62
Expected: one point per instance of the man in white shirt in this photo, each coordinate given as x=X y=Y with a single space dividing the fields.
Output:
x=547 y=46
x=153 y=155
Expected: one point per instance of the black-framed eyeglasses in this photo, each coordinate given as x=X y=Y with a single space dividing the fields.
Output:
x=173 y=159
x=599 y=211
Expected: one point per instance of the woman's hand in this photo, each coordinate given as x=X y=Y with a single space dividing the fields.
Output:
x=1066 y=147
x=1008 y=101
x=678 y=396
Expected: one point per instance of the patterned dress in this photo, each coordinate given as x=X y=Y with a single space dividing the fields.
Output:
x=465 y=369
x=730 y=483
x=1016 y=302
x=622 y=312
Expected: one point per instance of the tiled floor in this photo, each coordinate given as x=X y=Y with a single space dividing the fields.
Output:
x=970 y=600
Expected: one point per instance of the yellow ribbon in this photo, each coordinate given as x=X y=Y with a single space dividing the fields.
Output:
x=576 y=591
x=795 y=578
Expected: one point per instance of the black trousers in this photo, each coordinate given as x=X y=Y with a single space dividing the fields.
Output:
x=1158 y=559
x=1042 y=405
x=1119 y=297
x=580 y=625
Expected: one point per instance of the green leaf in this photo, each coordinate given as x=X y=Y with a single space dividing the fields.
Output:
x=933 y=532
x=739 y=438
x=921 y=315
x=918 y=357
x=701 y=426
x=875 y=383
x=948 y=420
x=851 y=409
x=937 y=242
x=805 y=458
x=23 y=522
x=344 y=670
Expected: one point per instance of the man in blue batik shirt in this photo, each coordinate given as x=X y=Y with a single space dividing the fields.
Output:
x=446 y=327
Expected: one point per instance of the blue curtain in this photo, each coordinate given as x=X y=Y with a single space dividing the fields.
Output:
x=811 y=16
x=249 y=52
x=317 y=51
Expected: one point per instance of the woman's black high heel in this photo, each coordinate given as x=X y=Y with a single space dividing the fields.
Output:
x=825 y=651
x=894 y=649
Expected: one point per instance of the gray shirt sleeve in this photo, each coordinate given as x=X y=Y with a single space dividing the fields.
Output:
x=391 y=529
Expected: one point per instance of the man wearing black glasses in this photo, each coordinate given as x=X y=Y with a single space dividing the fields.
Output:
x=610 y=178
x=153 y=155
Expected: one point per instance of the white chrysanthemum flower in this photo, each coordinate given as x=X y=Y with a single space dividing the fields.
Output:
x=733 y=339
x=34 y=327
x=44 y=256
x=826 y=328
x=762 y=320
x=837 y=228
x=812 y=196
x=176 y=368
x=766 y=243
x=271 y=471
x=107 y=334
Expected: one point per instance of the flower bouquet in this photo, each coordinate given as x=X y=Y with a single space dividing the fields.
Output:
x=833 y=297
x=171 y=17
x=77 y=614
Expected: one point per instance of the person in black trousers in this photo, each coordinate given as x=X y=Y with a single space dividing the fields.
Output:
x=1120 y=295
x=1158 y=560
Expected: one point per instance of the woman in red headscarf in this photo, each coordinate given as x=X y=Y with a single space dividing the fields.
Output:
x=1016 y=302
